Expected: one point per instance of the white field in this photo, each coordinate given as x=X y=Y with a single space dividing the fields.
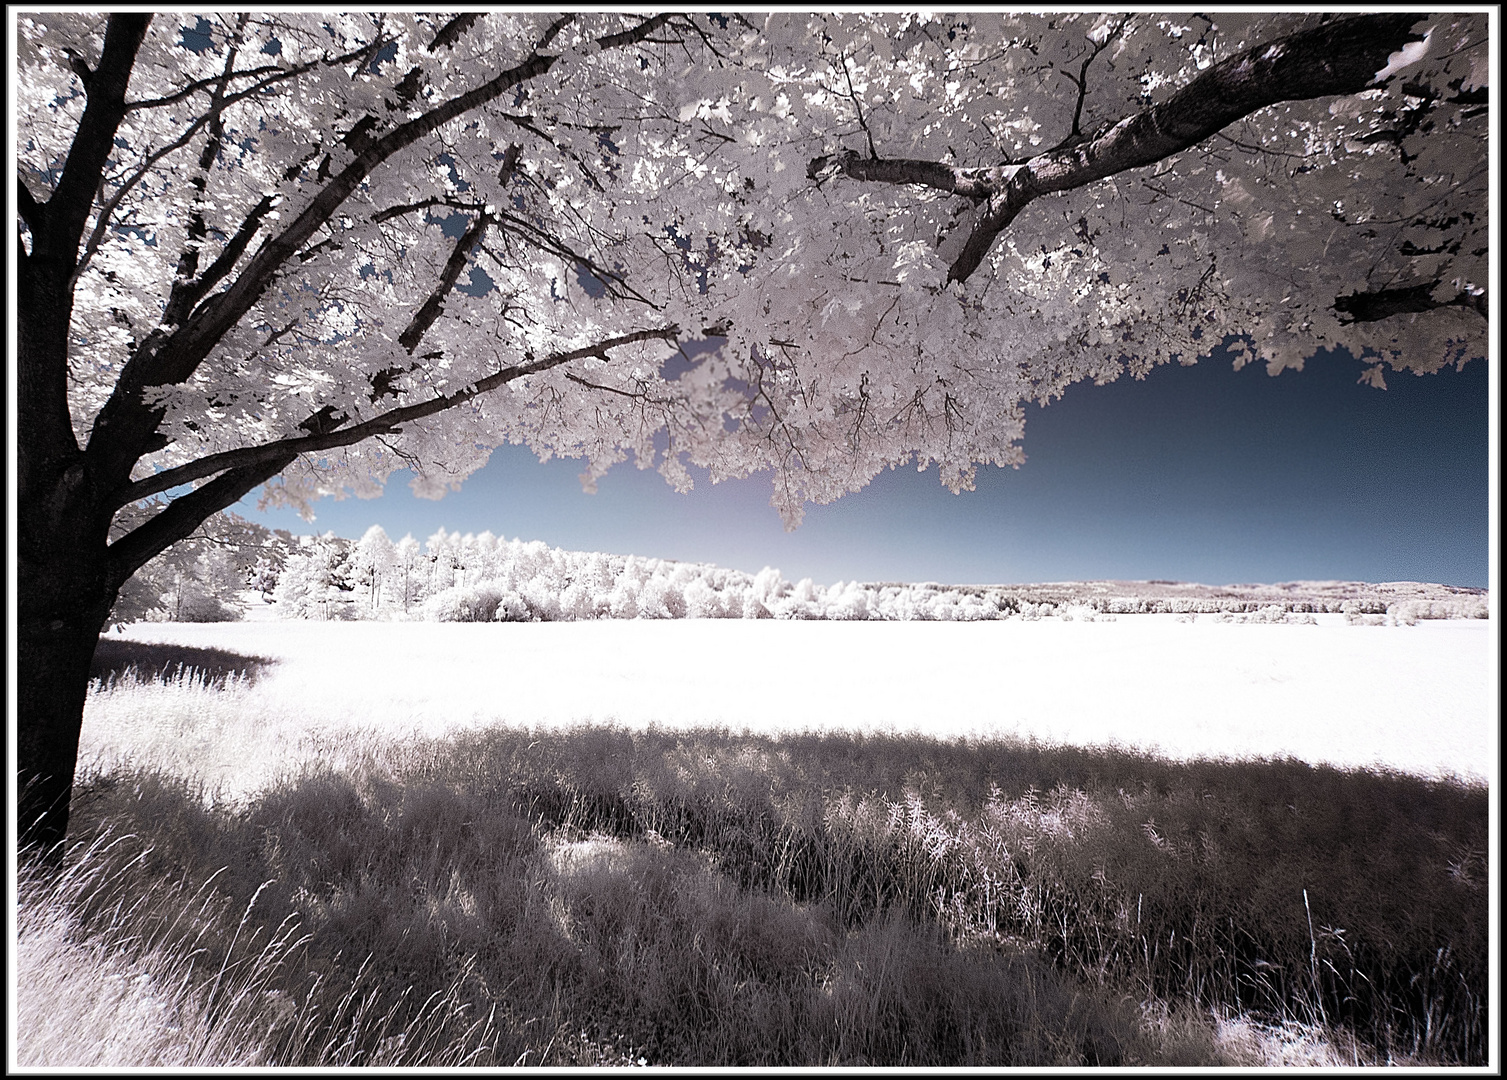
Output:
x=1421 y=699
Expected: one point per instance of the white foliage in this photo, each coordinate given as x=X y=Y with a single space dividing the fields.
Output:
x=204 y=578
x=518 y=581
x=316 y=581
x=672 y=176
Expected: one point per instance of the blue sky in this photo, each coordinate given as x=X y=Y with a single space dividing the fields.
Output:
x=1196 y=473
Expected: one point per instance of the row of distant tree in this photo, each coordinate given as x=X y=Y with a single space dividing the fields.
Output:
x=485 y=578
x=231 y=563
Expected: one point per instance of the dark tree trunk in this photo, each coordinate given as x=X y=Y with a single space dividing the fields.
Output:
x=65 y=583
x=64 y=590
x=53 y=651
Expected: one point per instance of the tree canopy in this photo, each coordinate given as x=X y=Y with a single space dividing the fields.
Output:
x=903 y=225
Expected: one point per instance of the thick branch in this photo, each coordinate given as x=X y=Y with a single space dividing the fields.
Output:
x=186 y=513
x=1414 y=299
x=971 y=183
x=434 y=307
x=255 y=456
x=68 y=208
x=634 y=35
x=450 y=33
x=1339 y=57
x=412 y=208
x=232 y=251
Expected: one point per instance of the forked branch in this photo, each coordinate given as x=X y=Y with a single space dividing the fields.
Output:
x=1339 y=57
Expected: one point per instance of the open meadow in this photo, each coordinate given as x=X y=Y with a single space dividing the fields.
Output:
x=726 y=842
x=1414 y=698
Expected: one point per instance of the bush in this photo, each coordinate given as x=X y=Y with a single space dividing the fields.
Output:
x=477 y=603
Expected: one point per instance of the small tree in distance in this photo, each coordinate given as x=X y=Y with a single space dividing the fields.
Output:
x=373 y=557
x=408 y=561
x=318 y=248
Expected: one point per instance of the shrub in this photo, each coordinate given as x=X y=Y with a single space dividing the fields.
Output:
x=477 y=603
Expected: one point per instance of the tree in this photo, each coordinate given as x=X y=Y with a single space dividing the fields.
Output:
x=315 y=249
x=316 y=582
x=407 y=557
x=201 y=578
x=373 y=558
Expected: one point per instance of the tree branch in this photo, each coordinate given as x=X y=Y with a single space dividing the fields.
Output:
x=125 y=425
x=79 y=67
x=185 y=291
x=553 y=30
x=232 y=251
x=185 y=514
x=636 y=34
x=107 y=212
x=1413 y=299
x=451 y=32
x=178 y=358
x=68 y=208
x=253 y=456
x=1081 y=82
x=857 y=108
x=616 y=283
x=955 y=180
x=1339 y=57
x=434 y=307
x=200 y=84
x=410 y=208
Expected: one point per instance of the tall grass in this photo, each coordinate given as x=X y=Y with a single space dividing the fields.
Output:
x=601 y=896
x=1351 y=899
x=389 y=920
x=121 y=965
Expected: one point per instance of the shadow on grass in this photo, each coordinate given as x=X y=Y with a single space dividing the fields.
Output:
x=594 y=895
x=161 y=662
x=401 y=921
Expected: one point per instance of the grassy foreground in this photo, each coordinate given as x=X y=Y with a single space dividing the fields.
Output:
x=600 y=896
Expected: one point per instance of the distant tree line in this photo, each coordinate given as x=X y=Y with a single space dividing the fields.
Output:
x=232 y=563
x=485 y=578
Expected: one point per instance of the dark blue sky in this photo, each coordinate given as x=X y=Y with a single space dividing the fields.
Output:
x=1194 y=474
